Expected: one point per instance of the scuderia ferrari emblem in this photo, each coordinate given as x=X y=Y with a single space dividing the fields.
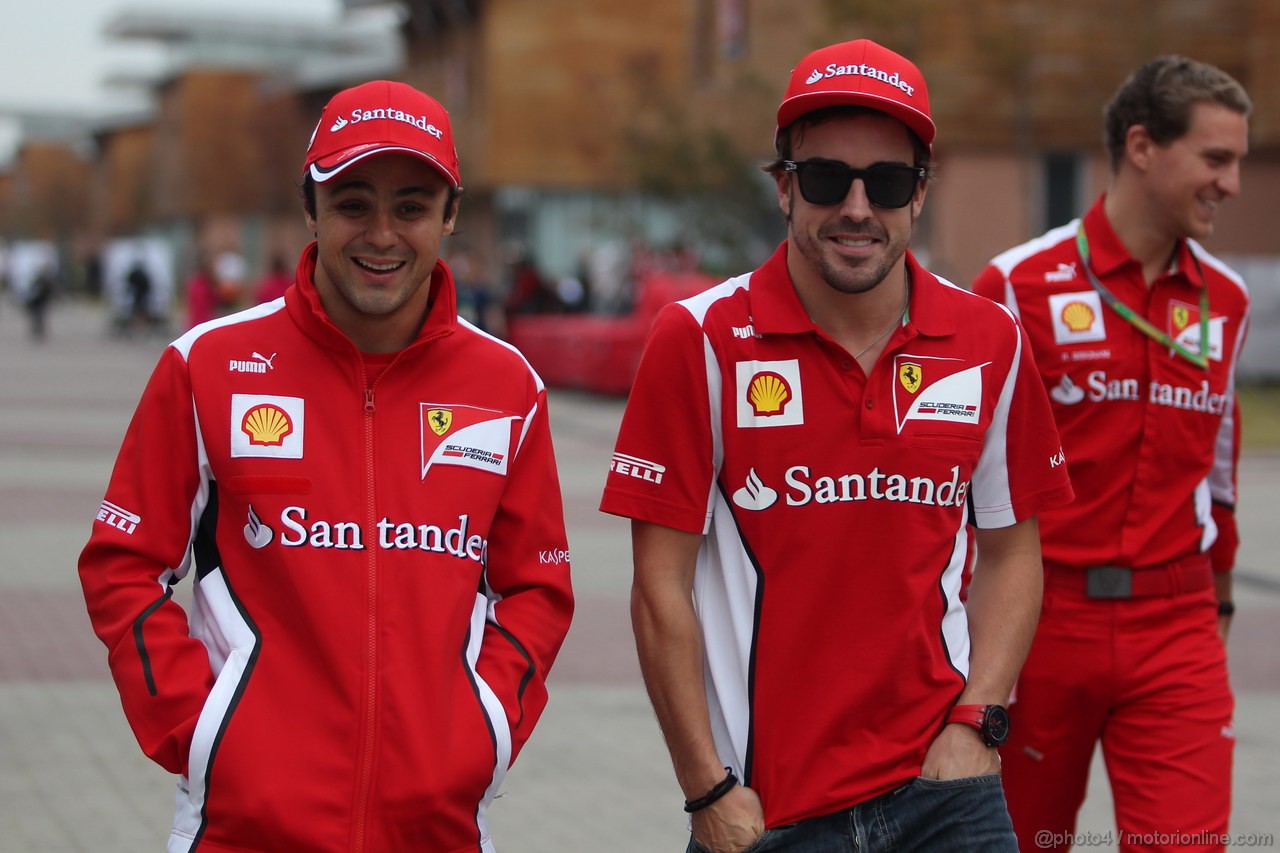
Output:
x=467 y=436
x=1181 y=316
x=910 y=375
x=953 y=392
x=440 y=420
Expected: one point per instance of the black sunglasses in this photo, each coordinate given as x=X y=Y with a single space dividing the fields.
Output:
x=827 y=182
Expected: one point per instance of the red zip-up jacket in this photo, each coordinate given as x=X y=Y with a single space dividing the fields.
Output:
x=381 y=578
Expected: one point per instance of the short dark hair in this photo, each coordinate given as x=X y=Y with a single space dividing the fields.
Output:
x=1160 y=95
x=789 y=136
x=308 y=189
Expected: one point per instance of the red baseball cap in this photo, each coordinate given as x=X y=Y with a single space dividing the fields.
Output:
x=859 y=73
x=378 y=118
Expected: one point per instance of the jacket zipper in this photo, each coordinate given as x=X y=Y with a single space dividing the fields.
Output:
x=364 y=792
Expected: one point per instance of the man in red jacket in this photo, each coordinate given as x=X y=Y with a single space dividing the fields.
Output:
x=1137 y=331
x=363 y=487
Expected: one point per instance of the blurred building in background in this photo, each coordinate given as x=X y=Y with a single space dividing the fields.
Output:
x=589 y=129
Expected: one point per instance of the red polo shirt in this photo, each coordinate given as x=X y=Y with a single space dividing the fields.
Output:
x=834 y=506
x=1151 y=439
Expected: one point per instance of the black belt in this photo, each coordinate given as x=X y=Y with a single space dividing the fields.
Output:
x=1175 y=577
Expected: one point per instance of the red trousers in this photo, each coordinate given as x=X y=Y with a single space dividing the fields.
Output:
x=1147 y=677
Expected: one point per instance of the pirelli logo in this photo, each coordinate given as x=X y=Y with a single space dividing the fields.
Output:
x=118 y=517
x=641 y=469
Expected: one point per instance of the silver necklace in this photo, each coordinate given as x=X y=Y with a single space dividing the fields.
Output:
x=898 y=322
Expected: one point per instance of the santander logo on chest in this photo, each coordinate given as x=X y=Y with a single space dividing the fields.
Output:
x=930 y=388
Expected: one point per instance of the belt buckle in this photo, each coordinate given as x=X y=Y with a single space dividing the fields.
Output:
x=1109 y=582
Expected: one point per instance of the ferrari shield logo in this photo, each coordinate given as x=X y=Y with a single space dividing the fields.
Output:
x=440 y=420
x=1181 y=316
x=910 y=375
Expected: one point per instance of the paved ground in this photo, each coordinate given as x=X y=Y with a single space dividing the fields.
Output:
x=595 y=776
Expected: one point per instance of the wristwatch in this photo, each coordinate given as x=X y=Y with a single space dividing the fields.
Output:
x=991 y=721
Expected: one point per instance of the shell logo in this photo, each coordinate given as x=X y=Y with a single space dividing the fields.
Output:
x=768 y=393
x=1078 y=316
x=267 y=425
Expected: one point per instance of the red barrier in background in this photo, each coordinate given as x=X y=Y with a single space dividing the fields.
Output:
x=595 y=353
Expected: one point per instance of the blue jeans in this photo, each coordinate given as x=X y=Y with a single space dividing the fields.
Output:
x=960 y=815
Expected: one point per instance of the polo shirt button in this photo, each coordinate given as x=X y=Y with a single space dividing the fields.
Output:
x=846 y=365
x=871 y=404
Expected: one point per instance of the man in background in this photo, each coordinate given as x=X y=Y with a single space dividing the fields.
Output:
x=1137 y=331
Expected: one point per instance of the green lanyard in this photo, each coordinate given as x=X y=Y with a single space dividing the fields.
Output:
x=1199 y=359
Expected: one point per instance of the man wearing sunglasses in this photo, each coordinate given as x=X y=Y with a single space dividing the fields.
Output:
x=1137 y=331
x=802 y=451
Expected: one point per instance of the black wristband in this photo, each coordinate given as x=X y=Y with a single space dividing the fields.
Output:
x=723 y=787
x=1226 y=608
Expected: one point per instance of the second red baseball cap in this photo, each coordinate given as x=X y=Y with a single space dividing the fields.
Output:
x=377 y=118
x=859 y=73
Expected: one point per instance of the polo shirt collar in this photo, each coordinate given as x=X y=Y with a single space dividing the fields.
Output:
x=776 y=307
x=929 y=314
x=1107 y=254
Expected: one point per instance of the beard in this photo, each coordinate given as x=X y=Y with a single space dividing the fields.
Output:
x=842 y=274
